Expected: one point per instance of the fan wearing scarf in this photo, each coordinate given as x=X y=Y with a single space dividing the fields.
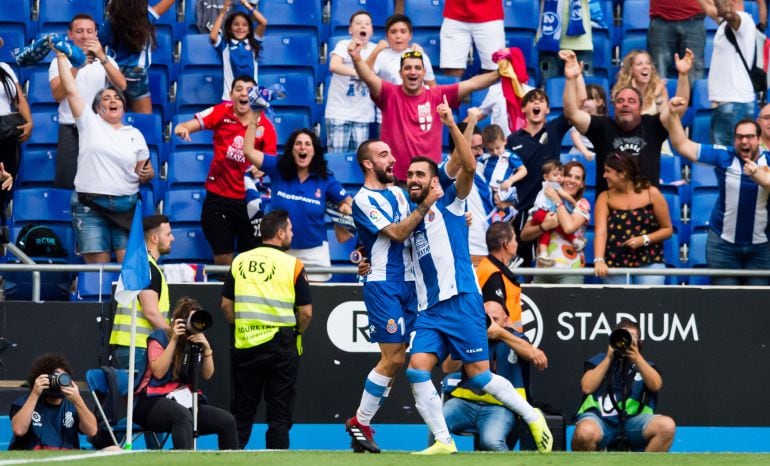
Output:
x=564 y=24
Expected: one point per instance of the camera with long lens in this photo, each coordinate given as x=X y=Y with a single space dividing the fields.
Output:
x=620 y=341
x=199 y=321
x=56 y=381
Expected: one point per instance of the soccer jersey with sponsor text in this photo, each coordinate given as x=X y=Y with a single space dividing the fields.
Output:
x=373 y=211
x=440 y=253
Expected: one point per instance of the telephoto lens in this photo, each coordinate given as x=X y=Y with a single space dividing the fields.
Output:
x=57 y=380
x=620 y=340
x=199 y=321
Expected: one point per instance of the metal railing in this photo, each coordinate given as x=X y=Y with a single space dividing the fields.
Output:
x=28 y=265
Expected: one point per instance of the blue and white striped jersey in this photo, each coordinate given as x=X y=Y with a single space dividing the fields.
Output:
x=442 y=262
x=741 y=212
x=373 y=210
x=499 y=169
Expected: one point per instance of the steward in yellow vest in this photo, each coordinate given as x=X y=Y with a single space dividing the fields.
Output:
x=266 y=296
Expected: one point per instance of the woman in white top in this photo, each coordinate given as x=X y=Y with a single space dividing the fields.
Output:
x=11 y=100
x=113 y=160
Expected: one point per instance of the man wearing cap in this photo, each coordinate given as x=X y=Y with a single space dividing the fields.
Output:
x=410 y=124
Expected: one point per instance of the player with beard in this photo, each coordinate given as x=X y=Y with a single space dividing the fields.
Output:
x=451 y=319
x=384 y=223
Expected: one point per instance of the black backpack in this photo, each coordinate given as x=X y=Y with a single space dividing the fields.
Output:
x=37 y=240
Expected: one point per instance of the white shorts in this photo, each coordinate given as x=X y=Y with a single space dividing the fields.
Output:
x=456 y=36
x=319 y=256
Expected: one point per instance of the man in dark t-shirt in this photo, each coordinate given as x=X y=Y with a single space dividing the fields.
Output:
x=630 y=131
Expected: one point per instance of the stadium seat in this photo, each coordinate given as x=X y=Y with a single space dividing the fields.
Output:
x=670 y=169
x=39 y=93
x=295 y=48
x=63 y=230
x=295 y=13
x=159 y=90
x=700 y=96
x=167 y=23
x=703 y=176
x=674 y=210
x=197 y=90
x=163 y=54
x=46 y=130
x=190 y=246
x=188 y=168
x=55 y=15
x=345 y=168
x=198 y=140
x=701 y=128
x=672 y=257
x=150 y=125
x=697 y=257
x=196 y=53
x=632 y=42
x=521 y=15
x=37 y=166
x=41 y=205
x=430 y=41
x=149 y=204
x=95 y=286
x=342 y=9
x=300 y=89
x=425 y=13
x=288 y=120
x=12 y=39
x=703 y=202
x=17 y=16
x=184 y=205
x=636 y=16
x=602 y=60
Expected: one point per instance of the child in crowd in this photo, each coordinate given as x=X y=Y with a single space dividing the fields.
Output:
x=553 y=176
x=501 y=171
x=241 y=43
x=595 y=103
x=349 y=110
x=385 y=59
x=130 y=34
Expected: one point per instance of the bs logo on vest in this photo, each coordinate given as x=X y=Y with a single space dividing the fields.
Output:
x=259 y=267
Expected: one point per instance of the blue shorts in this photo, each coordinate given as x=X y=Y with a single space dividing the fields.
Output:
x=635 y=426
x=137 y=83
x=456 y=326
x=95 y=233
x=392 y=308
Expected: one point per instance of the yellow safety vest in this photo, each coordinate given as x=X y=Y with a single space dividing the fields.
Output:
x=121 y=323
x=264 y=295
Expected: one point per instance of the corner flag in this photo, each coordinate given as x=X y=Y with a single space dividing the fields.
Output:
x=135 y=272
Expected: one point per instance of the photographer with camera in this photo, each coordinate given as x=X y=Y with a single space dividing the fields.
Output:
x=620 y=389
x=52 y=414
x=165 y=398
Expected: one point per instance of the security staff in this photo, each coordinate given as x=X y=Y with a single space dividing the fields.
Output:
x=152 y=302
x=266 y=296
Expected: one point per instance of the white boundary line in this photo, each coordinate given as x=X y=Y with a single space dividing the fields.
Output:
x=67 y=458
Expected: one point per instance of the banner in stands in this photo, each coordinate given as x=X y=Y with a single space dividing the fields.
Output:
x=709 y=344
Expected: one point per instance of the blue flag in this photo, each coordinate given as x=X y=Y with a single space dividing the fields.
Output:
x=135 y=272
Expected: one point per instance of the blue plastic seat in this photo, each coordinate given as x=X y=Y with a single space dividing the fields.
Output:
x=703 y=202
x=147 y=193
x=190 y=246
x=39 y=93
x=197 y=53
x=342 y=9
x=159 y=90
x=56 y=14
x=12 y=39
x=163 y=54
x=188 y=168
x=95 y=286
x=295 y=13
x=636 y=16
x=287 y=121
x=521 y=15
x=430 y=41
x=703 y=176
x=670 y=169
x=37 y=166
x=17 y=16
x=296 y=48
x=167 y=23
x=184 y=205
x=425 y=13
x=701 y=128
x=345 y=168
x=697 y=257
x=197 y=90
x=632 y=42
x=674 y=210
x=602 y=62
x=199 y=140
x=46 y=130
x=42 y=205
x=300 y=88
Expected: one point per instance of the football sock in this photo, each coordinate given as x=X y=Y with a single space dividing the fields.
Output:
x=428 y=403
x=502 y=389
x=375 y=390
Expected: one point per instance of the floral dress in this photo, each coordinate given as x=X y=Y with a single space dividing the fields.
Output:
x=625 y=224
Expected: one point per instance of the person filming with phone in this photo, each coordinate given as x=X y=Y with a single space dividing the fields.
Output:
x=166 y=396
x=52 y=414
x=621 y=389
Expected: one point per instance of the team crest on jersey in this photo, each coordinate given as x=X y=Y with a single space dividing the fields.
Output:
x=36 y=419
x=431 y=215
x=425 y=115
x=238 y=142
x=391 y=327
x=318 y=193
x=69 y=420
x=374 y=215
x=421 y=244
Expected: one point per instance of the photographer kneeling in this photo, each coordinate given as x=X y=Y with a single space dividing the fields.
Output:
x=164 y=398
x=52 y=414
x=620 y=389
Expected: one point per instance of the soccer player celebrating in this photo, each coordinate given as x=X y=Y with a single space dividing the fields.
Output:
x=384 y=223
x=451 y=319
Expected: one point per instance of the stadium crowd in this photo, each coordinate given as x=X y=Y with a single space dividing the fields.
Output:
x=628 y=196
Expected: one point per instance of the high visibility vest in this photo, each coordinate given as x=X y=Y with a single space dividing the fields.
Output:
x=264 y=295
x=121 y=324
x=485 y=270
